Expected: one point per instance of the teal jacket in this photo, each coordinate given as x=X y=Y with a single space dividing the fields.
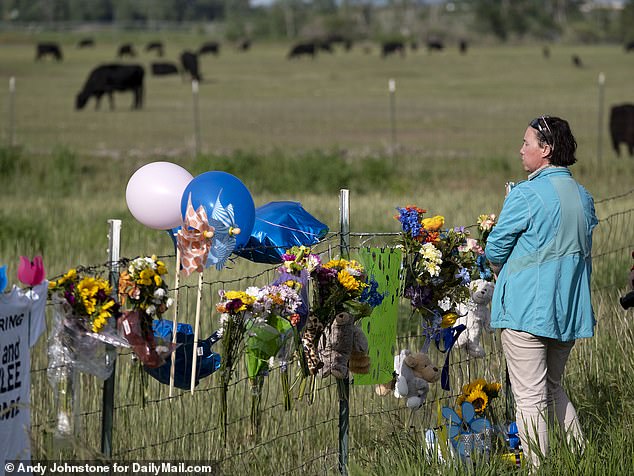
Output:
x=543 y=241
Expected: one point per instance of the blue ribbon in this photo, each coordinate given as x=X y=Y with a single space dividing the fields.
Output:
x=448 y=337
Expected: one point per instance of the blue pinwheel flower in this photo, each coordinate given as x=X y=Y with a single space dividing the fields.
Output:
x=226 y=229
x=468 y=424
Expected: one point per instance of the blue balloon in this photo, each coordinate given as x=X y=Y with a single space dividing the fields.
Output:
x=230 y=192
x=278 y=227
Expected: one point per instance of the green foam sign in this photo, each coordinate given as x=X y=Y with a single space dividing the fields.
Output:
x=383 y=264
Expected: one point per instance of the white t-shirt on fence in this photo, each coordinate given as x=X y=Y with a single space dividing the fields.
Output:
x=22 y=321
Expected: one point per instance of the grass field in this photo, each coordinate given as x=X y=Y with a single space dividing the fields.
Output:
x=301 y=131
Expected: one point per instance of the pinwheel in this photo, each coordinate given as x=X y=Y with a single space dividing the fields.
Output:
x=226 y=229
x=30 y=272
x=195 y=239
x=463 y=431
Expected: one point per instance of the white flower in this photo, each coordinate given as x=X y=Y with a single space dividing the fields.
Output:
x=431 y=253
x=432 y=268
x=169 y=302
x=159 y=293
x=150 y=310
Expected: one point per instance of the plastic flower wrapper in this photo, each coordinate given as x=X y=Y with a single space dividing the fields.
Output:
x=83 y=320
x=438 y=265
x=486 y=223
x=142 y=288
x=236 y=312
x=271 y=335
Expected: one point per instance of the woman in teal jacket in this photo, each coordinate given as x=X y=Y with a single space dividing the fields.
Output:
x=541 y=252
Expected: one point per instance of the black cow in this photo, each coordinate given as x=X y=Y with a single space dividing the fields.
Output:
x=46 y=49
x=622 y=127
x=576 y=61
x=391 y=47
x=629 y=46
x=546 y=52
x=163 y=69
x=301 y=49
x=210 y=47
x=108 y=78
x=463 y=46
x=86 y=43
x=126 y=49
x=435 y=44
x=156 y=46
x=243 y=45
x=189 y=62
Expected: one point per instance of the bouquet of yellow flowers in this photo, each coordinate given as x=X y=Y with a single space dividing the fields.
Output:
x=86 y=299
x=143 y=288
x=479 y=393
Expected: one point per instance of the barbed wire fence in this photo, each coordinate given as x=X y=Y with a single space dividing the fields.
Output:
x=148 y=423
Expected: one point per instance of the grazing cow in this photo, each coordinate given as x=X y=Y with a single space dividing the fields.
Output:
x=46 y=49
x=629 y=46
x=189 y=62
x=324 y=45
x=622 y=127
x=463 y=46
x=300 y=49
x=86 y=43
x=576 y=61
x=546 y=52
x=243 y=45
x=156 y=46
x=126 y=49
x=108 y=78
x=163 y=69
x=435 y=44
x=391 y=47
x=210 y=47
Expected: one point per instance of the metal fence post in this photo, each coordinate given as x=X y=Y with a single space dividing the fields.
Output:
x=343 y=385
x=107 y=407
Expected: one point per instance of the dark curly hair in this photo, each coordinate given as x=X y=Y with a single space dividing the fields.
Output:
x=556 y=132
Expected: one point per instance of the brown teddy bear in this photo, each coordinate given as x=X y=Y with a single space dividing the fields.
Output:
x=413 y=374
x=345 y=348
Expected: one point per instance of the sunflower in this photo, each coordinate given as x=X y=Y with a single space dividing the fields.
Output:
x=479 y=399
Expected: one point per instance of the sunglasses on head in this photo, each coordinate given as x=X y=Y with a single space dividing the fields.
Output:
x=535 y=124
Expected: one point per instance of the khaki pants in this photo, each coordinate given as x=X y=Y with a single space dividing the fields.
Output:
x=536 y=365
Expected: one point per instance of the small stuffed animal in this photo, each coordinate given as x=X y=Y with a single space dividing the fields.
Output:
x=359 y=362
x=475 y=315
x=345 y=348
x=415 y=372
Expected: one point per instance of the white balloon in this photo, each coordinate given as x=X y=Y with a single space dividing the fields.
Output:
x=154 y=194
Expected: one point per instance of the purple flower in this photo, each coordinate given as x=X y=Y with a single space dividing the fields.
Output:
x=464 y=276
x=70 y=297
x=419 y=296
x=234 y=305
x=325 y=275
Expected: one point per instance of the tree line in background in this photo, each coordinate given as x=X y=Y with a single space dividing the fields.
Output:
x=500 y=20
